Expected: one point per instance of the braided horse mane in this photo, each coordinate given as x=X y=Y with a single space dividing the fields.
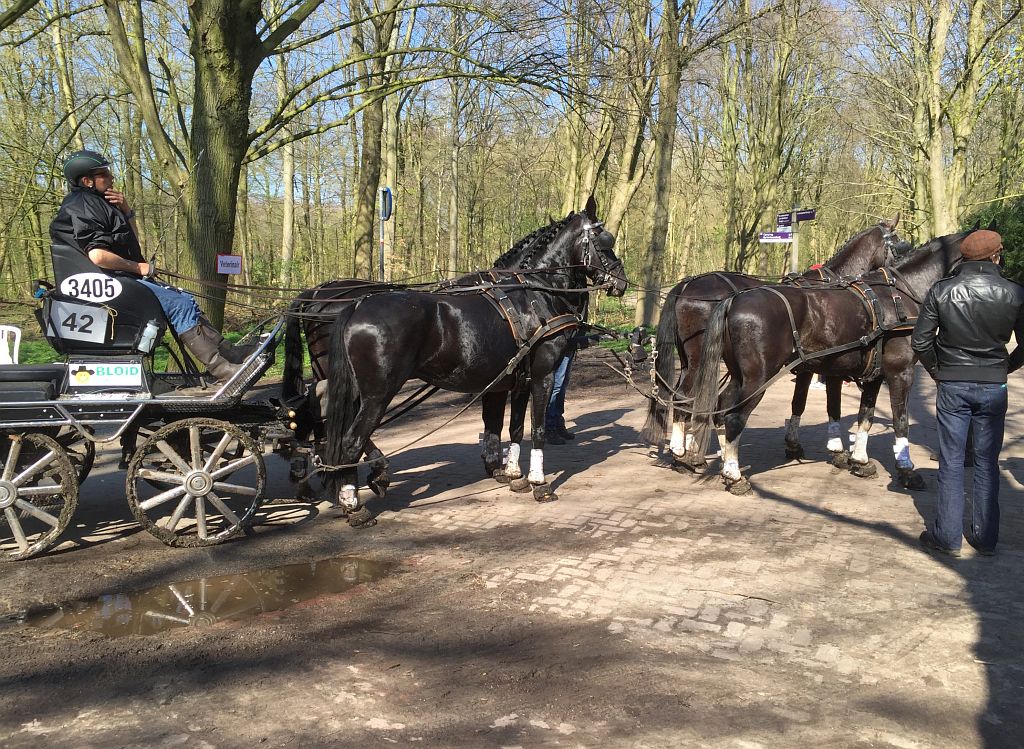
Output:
x=523 y=253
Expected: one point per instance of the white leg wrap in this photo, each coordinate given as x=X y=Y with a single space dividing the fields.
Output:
x=512 y=469
x=731 y=460
x=860 y=448
x=731 y=470
x=348 y=497
x=677 y=443
x=793 y=429
x=835 y=437
x=902 y=452
x=536 y=467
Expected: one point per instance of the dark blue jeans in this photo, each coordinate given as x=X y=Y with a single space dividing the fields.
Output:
x=179 y=306
x=958 y=405
x=555 y=418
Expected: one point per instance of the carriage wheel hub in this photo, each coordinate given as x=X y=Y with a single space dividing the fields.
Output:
x=8 y=493
x=198 y=483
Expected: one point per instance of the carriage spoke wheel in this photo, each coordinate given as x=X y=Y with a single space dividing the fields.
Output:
x=196 y=482
x=38 y=494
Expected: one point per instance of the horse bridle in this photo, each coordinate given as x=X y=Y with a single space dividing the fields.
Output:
x=591 y=230
x=890 y=240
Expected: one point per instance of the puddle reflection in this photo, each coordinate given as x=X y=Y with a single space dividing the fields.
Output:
x=202 y=602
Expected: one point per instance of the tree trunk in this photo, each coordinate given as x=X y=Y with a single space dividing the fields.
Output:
x=664 y=147
x=287 y=184
x=226 y=51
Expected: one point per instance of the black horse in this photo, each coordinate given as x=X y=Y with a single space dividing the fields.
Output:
x=499 y=339
x=313 y=311
x=684 y=318
x=858 y=330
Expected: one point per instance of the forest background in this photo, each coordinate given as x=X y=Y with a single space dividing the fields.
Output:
x=267 y=129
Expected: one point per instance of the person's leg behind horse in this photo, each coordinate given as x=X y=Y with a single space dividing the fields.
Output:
x=554 y=421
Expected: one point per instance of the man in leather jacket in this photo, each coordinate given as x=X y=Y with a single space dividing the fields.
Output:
x=960 y=337
x=95 y=219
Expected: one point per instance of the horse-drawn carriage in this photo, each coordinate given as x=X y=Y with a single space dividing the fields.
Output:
x=194 y=460
x=193 y=457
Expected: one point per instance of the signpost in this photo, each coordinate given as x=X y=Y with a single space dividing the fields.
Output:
x=787 y=229
x=387 y=204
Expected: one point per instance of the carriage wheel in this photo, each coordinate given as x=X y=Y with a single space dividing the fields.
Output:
x=38 y=494
x=81 y=450
x=196 y=482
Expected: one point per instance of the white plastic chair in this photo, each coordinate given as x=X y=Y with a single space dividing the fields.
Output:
x=10 y=343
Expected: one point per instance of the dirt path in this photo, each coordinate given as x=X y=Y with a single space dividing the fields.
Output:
x=642 y=609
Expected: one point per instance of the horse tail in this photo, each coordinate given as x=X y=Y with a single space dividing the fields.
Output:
x=665 y=345
x=342 y=390
x=705 y=399
x=291 y=379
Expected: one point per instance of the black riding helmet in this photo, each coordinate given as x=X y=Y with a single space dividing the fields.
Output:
x=81 y=163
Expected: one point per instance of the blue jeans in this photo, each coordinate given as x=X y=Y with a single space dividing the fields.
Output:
x=555 y=418
x=958 y=406
x=181 y=309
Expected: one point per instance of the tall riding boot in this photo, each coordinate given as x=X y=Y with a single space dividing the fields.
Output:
x=232 y=352
x=203 y=342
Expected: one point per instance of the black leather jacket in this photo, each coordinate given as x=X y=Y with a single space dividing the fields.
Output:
x=965 y=323
x=86 y=220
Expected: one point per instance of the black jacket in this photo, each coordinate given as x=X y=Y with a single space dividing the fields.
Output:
x=965 y=323
x=86 y=221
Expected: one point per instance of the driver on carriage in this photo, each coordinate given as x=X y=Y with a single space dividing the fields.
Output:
x=96 y=220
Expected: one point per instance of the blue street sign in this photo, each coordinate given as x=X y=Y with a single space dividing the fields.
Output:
x=766 y=237
x=806 y=215
x=386 y=203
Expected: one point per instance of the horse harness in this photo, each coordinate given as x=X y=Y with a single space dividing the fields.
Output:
x=874 y=340
x=525 y=340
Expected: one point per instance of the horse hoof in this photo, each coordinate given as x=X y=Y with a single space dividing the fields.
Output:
x=543 y=493
x=501 y=477
x=305 y=492
x=841 y=460
x=681 y=466
x=737 y=487
x=863 y=470
x=794 y=452
x=911 y=479
x=492 y=469
x=520 y=485
x=361 y=518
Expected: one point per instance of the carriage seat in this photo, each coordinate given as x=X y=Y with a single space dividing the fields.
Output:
x=96 y=312
x=20 y=383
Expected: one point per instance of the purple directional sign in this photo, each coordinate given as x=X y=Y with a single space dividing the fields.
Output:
x=783 y=219
x=774 y=236
x=806 y=214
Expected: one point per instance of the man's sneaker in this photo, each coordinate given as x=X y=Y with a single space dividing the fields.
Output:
x=566 y=434
x=554 y=437
x=929 y=541
x=985 y=551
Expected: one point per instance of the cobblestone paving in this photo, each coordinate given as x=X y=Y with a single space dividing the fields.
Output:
x=815 y=571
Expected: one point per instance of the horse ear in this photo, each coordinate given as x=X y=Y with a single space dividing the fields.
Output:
x=591 y=208
x=993 y=225
x=892 y=223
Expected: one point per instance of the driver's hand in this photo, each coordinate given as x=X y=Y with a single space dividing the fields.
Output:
x=117 y=199
x=147 y=270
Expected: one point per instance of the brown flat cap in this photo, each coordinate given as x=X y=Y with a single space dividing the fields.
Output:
x=981 y=244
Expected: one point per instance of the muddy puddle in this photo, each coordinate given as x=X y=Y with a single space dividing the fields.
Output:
x=203 y=602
